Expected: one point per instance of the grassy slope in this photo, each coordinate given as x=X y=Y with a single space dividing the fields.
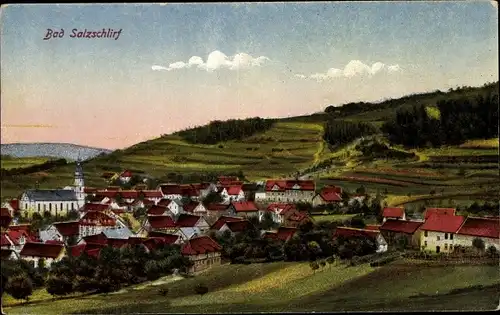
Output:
x=294 y=287
x=301 y=145
x=12 y=162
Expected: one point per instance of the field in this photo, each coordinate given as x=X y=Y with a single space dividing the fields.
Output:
x=279 y=287
x=12 y=162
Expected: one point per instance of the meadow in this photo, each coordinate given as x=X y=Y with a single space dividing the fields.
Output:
x=289 y=286
x=7 y=162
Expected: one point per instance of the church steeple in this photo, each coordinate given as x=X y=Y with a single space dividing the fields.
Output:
x=79 y=183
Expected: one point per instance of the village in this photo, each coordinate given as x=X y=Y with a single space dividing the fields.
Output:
x=183 y=215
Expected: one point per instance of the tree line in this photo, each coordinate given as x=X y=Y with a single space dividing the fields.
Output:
x=458 y=120
x=233 y=129
x=338 y=132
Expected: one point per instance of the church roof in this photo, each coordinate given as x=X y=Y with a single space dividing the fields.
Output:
x=51 y=195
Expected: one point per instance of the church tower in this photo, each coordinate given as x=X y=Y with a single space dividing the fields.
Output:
x=79 y=184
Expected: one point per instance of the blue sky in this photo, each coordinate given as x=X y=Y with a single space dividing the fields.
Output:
x=312 y=55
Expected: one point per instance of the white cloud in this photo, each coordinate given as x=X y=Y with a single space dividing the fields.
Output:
x=353 y=69
x=218 y=60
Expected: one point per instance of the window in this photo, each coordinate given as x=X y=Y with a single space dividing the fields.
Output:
x=38 y=207
x=425 y=233
x=451 y=247
x=61 y=206
x=44 y=207
x=451 y=236
x=50 y=207
x=445 y=246
x=438 y=238
x=445 y=236
x=72 y=206
x=425 y=243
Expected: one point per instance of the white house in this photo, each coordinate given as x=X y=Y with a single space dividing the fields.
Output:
x=174 y=206
x=171 y=191
x=290 y=190
x=51 y=233
x=232 y=194
x=485 y=229
x=126 y=176
x=195 y=207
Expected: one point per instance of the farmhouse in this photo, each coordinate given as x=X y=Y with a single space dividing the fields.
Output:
x=485 y=229
x=171 y=191
x=347 y=232
x=235 y=226
x=50 y=234
x=195 y=207
x=438 y=231
x=217 y=209
x=94 y=222
x=50 y=253
x=283 y=233
x=158 y=210
x=68 y=229
x=396 y=213
x=393 y=230
x=232 y=193
x=328 y=195
x=223 y=220
x=290 y=190
x=125 y=177
x=203 y=251
x=244 y=209
x=12 y=205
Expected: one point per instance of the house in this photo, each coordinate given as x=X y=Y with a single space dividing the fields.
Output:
x=203 y=252
x=158 y=223
x=94 y=222
x=204 y=189
x=396 y=213
x=483 y=228
x=282 y=234
x=235 y=226
x=232 y=193
x=282 y=211
x=153 y=195
x=217 y=209
x=217 y=225
x=195 y=207
x=191 y=225
x=12 y=205
x=171 y=191
x=394 y=229
x=68 y=229
x=95 y=207
x=438 y=231
x=51 y=233
x=290 y=190
x=168 y=238
x=125 y=177
x=5 y=217
x=328 y=195
x=34 y=252
x=359 y=198
x=297 y=219
x=245 y=209
x=158 y=210
x=228 y=180
x=7 y=247
x=376 y=236
x=174 y=206
x=16 y=240
x=191 y=192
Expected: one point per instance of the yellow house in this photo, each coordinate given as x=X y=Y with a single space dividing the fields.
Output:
x=438 y=233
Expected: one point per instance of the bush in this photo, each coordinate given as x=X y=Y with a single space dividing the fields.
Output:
x=59 y=286
x=200 y=289
x=20 y=287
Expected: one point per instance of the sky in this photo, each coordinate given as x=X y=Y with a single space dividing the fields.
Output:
x=176 y=66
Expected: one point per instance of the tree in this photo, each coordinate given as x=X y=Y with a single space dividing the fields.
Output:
x=314 y=266
x=478 y=244
x=322 y=263
x=59 y=285
x=20 y=287
x=358 y=222
x=492 y=251
x=330 y=260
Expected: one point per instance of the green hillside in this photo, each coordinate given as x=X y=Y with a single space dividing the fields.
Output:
x=296 y=144
x=279 y=287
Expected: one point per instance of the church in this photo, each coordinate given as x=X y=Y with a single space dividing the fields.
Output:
x=58 y=202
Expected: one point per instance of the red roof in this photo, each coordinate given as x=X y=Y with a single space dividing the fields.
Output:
x=187 y=220
x=94 y=207
x=201 y=186
x=189 y=207
x=330 y=195
x=161 y=222
x=372 y=227
x=106 y=193
x=298 y=217
x=401 y=226
x=169 y=189
x=20 y=227
x=117 y=242
x=283 y=185
x=157 y=210
x=481 y=227
x=200 y=245
x=113 y=188
x=152 y=194
x=233 y=190
x=164 y=202
x=222 y=220
x=4 y=240
x=14 y=203
x=148 y=202
x=96 y=239
x=443 y=211
x=92 y=246
x=335 y=189
x=244 y=206
x=282 y=208
x=443 y=223
x=126 y=173
x=353 y=232
x=129 y=194
x=15 y=236
x=5 y=217
x=394 y=212
x=190 y=191
x=68 y=228
x=42 y=250
x=168 y=238
x=89 y=190
x=283 y=233
x=76 y=250
x=97 y=218
x=93 y=252
x=54 y=242
x=216 y=207
x=239 y=226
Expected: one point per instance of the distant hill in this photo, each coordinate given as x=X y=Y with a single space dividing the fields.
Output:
x=56 y=150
